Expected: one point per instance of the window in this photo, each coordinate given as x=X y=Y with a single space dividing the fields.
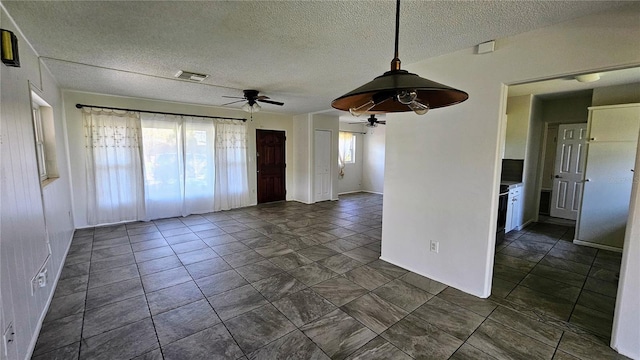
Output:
x=347 y=147
x=45 y=139
x=40 y=154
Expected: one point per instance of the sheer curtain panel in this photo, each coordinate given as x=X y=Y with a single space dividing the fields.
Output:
x=113 y=163
x=231 y=182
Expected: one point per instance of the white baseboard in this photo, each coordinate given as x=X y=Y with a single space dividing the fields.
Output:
x=525 y=225
x=350 y=192
x=597 y=246
x=372 y=192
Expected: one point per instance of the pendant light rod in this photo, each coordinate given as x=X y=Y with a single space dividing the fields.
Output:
x=395 y=63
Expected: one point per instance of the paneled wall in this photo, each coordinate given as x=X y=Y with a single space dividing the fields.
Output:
x=31 y=216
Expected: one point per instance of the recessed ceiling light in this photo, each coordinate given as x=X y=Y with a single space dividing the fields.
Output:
x=587 y=78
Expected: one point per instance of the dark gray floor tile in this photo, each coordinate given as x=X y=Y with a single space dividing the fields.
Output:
x=259 y=327
x=340 y=232
x=157 y=265
x=74 y=270
x=525 y=254
x=177 y=239
x=338 y=334
x=597 y=301
x=258 y=242
x=608 y=260
x=340 y=263
x=339 y=290
x=482 y=307
x=105 y=244
x=115 y=275
x=378 y=349
x=164 y=279
x=597 y=322
x=387 y=268
x=197 y=256
x=303 y=306
x=152 y=254
x=601 y=287
x=273 y=250
x=71 y=285
x=528 y=326
x=109 y=317
x=173 y=297
x=216 y=239
x=603 y=274
x=175 y=231
x=570 y=246
x=361 y=239
x=317 y=252
x=258 y=271
x=103 y=295
x=230 y=248
x=321 y=237
x=363 y=255
x=58 y=333
x=551 y=287
x=79 y=258
x=220 y=282
x=188 y=246
x=64 y=306
x=468 y=352
x=237 y=301
x=508 y=274
x=514 y=262
x=207 y=268
x=119 y=343
x=293 y=346
x=290 y=261
x=246 y=234
x=112 y=262
x=145 y=237
x=312 y=274
x=424 y=283
x=573 y=256
x=341 y=245
x=531 y=246
x=184 y=321
x=552 y=305
x=421 y=340
x=561 y=355
x=403 y=295
x=242 y=258
x=567 y=277
x=586 y=349
x=278 y=286
x=501 y=342
x=367 y=277
x=374 y=312
x=501 y=288
x=101 y=254
x=148 y=245
x=449 y=317
x=69 y=352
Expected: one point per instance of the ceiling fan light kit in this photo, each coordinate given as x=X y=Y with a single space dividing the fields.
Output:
x=398 y=90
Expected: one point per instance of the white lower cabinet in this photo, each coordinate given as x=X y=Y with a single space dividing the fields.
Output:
x=514 y=208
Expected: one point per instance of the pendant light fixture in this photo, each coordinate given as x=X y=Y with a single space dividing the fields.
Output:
x=398 y=91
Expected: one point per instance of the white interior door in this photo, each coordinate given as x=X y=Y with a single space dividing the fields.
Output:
x=322 y=157
x=568 y=171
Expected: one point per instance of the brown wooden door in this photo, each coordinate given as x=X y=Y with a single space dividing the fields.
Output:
x=270 y=146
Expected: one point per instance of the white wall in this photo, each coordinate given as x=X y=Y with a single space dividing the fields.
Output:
x=612 y=95
x=302 y=139
x=626 y=331
x=567 y=110
x=518 y=118
x=374 y=159
x=25 y=208
x=443 y=169
x=261 y=120
x=352 y=180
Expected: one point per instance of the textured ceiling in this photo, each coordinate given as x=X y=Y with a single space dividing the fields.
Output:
x=304 y=53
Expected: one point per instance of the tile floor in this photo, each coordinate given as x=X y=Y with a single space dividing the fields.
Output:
x=295 y=281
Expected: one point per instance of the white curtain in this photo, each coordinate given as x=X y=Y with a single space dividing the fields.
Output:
x=344 y=141
x=231 y=184
x=113 y=163
x=178 y=165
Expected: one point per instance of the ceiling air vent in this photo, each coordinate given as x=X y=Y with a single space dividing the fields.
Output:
x=187 y=75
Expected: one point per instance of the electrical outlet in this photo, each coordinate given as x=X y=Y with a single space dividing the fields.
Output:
x=8 y=338
x=435 y=246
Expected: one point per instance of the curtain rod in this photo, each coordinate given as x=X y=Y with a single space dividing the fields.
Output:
x=354 y=132
x=80 y=106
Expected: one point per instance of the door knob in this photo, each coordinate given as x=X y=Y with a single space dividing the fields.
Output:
x=558 y=177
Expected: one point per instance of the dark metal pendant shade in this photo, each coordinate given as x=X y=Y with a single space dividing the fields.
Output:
x=386 y=86
x=398 y=91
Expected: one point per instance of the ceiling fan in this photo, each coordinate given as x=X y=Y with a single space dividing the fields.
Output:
x=252 y=97
x=372 y=122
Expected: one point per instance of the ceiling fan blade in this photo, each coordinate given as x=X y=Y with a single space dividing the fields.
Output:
x=262 y=97
x=271 y=102
x=233 y=102
x=232 y=97
x=358 y=123
x=383 y=122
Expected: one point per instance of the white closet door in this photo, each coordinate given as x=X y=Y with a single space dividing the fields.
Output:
x=322 y=160
x=569 y=171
